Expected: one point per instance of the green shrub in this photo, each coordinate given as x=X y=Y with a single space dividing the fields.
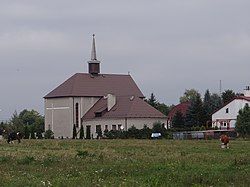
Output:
x=49 y=134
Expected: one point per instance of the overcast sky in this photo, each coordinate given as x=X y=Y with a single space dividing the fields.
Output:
x=166 y=45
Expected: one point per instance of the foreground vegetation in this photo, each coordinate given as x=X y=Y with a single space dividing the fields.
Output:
x=124 y=163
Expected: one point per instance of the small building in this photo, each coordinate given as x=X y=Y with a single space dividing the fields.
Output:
x=226 y=116
x=98 y=102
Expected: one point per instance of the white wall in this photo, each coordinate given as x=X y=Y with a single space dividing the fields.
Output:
x=59 y=116
x=233 y=110
x=126 y=123
x=60 y=113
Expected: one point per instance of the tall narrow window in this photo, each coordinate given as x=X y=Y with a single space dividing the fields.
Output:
x=77 y=115
x=113 y=127
x=227 y=110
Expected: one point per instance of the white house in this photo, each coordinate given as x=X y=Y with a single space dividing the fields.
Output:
x=225 y=117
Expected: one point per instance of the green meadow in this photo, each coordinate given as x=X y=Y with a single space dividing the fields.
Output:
x=124 y=163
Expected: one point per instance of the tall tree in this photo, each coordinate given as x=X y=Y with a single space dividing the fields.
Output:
x=216 y=102
x=81 y=132
x=152 y=100
x=74 y=132
x=163 y=108
x=195 y=113
x=189 y=95
x=243 y=121
x=227 y=96
x=178 y=120
x=207 y=106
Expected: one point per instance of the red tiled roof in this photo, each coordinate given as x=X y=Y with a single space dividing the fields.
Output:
x=125 y=107
x=243 y=97
x=182 y=107
x=85 y=84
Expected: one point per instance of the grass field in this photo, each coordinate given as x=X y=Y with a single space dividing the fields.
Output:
x=124 y=163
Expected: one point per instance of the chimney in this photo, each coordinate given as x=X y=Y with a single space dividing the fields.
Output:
x=94 y=64
x=247 y=91
x=111 y=101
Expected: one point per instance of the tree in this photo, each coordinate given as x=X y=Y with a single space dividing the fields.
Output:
x=163 y=108
x=195 y=113
x=207 y=106
x=216 y=102
x=32 y=132
x=227 y=96
x=152 y=100
x=16 y=123
x=243 y=121
x=74 y=132
x=189 y=95
x=81 y=132
x=26 y=132
x=178 y=121
x=32 y=119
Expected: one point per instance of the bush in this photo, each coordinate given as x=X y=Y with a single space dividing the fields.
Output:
x=49 y=134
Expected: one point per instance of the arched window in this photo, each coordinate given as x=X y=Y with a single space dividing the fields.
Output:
x=77 y=115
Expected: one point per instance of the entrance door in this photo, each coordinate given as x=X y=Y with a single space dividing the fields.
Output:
x=88 y=132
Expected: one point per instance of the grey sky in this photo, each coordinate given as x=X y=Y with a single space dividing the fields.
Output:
x=167 y=45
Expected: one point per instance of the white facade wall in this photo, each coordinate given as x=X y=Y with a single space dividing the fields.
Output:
x=227 y=115
x=60 y=114
x=125 y=123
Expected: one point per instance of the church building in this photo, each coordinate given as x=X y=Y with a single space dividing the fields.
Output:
x=98 y=102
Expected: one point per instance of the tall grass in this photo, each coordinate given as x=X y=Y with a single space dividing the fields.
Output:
x=124 y=163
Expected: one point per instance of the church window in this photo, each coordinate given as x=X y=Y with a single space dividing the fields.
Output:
x=119 y=127
x=106 y=127
x=227 y=110
x=98 y=128
x=77 y=115
x=114 y=127
x=98 y=114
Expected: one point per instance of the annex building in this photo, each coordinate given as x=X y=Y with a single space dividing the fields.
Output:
x=226 y=116
x=97 y=101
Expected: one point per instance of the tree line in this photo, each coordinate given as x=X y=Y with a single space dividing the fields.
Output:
x=28 y=122
x=200 y=110
x=198 y=117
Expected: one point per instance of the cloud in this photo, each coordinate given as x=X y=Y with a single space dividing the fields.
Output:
x=167 y=45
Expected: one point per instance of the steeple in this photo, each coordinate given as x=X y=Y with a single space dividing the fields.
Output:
x=93 y=52
x=94 y=64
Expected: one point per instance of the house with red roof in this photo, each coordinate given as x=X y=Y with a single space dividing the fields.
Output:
x=97 y=101
x=182 y=107
x=226 y=116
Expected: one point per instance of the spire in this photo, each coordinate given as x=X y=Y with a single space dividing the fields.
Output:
x=93 y=52
x=94 y=64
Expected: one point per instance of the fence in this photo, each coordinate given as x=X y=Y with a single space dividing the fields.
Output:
x=208 y=134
